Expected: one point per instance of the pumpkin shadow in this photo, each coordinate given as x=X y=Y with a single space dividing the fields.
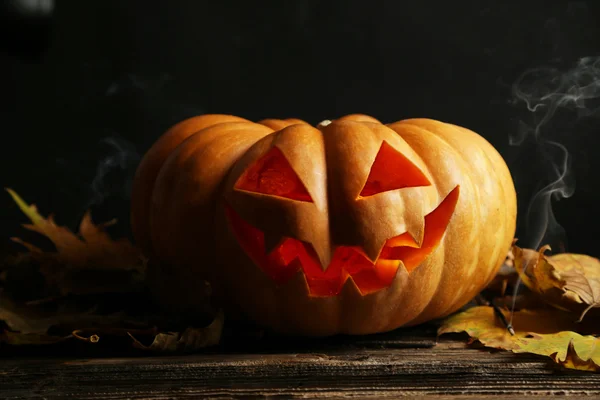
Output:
x=243 y=338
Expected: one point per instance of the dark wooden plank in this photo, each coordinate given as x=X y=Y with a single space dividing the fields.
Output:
x=234 y=340
x=446 y=370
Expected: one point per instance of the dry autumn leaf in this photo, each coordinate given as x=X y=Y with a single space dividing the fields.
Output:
x=190 y=340
x=573 y=361
x=546 y=332
x=23 y=319
x=34 y=325
x=30 y=339
x=30 y=324
x=84 y=264
x=566 y=281
x=90 y=262
x=31 y=320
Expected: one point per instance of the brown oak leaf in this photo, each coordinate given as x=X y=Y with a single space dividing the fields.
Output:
x=566 y=281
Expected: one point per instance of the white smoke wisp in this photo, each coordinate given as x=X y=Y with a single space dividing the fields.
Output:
x=541 y=222
x=545 y=90
x=133 y=82
x=552 y=94
x=114 y=173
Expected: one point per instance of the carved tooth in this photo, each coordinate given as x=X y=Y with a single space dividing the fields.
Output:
x=350 y=289
x=415 y=227
x=272 y=241
x=372 y=248
x=323 y=252
x=297 y=286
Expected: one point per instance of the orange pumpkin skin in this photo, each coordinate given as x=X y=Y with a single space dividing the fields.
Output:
x=271 y=212
x=147 y=172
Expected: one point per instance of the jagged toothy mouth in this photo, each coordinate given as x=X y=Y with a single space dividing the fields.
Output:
x=291 y=255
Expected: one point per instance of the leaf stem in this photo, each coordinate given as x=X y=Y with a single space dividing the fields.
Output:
x=502 y=318
x=482 y=300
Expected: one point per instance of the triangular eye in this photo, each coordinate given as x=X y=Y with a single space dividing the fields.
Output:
x=390 y=171
x=272 y=174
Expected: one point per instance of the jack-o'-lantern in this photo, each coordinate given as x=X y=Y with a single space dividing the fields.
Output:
x=352 y=226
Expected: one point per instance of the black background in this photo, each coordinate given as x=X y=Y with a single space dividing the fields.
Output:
x=124 y=71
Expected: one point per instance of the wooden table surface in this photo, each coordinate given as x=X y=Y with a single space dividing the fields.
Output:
x=403 y=363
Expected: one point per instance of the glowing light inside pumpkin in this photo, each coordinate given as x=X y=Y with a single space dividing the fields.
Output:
x=391 y=170
x=272 y=174
x=293 y=255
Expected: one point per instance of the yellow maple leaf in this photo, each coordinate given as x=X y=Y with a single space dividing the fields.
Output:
x=546 y=332
x=567 y=281
x=572 y=360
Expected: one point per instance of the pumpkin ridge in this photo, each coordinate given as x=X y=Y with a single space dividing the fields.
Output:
x=189 y=158
x=477 y=248
x=483 y=145
x=437 y=183
x=484 y=152
x=496 y=178
x=151 y=163
x=174 y=186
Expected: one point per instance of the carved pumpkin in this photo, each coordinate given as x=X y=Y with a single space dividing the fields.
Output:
x=348 y=227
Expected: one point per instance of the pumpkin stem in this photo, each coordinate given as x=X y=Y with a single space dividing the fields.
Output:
x=324 y=123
